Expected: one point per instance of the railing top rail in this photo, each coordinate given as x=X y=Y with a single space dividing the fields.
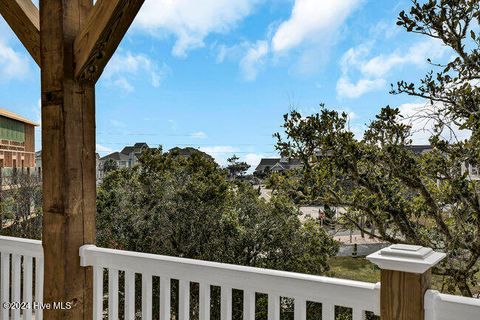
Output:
x=440 y=306
x=20 y=246
x=289 y=284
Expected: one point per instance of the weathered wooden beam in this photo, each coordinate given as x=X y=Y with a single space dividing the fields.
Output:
x=24 y=19
x=106 y=25
x=68 y=160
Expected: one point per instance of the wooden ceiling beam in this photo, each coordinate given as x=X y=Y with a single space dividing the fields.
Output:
x=24 y=19
x=105 y=27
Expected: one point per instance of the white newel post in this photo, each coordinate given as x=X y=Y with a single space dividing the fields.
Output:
x=405 y=277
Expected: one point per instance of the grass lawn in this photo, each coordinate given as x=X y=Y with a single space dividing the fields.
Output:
x=361 y=269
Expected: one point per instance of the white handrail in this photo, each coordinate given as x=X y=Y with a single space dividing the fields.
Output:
x=439 y=306
x=21 y=265
x=20 y=246
x=22 y=261
x=330 y=291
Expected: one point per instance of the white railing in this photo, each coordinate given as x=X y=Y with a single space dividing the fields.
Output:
x=21 y=280
x=21 y=265
x=330 y=292
x=439 y=306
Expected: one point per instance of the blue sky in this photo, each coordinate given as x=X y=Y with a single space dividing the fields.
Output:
x=220 y=74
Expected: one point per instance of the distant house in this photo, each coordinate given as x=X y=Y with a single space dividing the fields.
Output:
x=420 y=148
x=282 y=164
x=189 y=151
x=126 y=158
x=277 y=165
x=471 y=170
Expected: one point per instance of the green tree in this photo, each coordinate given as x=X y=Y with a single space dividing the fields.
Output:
x=290 y=183
x=236 y=168
x=109 y=165
x=21 y=207
x=425 y=199
x=187 y=207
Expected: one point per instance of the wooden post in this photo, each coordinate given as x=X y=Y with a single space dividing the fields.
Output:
x=72 y=41
x=68 y=159
x=405 y=277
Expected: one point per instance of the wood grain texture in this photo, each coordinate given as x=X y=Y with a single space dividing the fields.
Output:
x=24 y=19
x=104 y=29
x=402 y=295
x=68 y=160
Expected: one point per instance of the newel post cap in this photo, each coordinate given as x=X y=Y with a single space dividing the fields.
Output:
x=406 y=258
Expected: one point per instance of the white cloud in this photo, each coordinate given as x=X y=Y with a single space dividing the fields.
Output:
x=251 y=56
x=253 y=60
x=311 y=20
x=123 y=64
x=117 y=123
x=199 y=135
x=13 y=65
x=372 y=71
x=417 y=55
x=346 y=88
x=219 y=149
x=124 y=84
x=190 y=22
x=103 y=149
x=220 y=153
x=417 y=116
x=312 y=25
x=253 y=159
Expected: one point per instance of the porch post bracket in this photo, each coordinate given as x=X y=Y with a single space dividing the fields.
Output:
x=106 y=24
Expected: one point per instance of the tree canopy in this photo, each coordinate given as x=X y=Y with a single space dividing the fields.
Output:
x=186 y=206
x=428 y=199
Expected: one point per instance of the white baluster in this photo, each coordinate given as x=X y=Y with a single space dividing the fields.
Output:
x=328 y=311
x=97 y=293
x=184 y=300
x=112 y=294
x=300 y=311
x=39 y=287
x=5 y=284
x=129 y=295
x=358 y=314
x=226 y=303
x=146 y=296
x=248 y=305
x=27 y=286
x=273 y=307
x=16 y=284
x=204 y=301
x=165 y=298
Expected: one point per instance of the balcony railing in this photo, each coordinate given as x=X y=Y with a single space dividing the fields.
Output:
x=22 y=265
x=21 y=278
x=330 y=292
